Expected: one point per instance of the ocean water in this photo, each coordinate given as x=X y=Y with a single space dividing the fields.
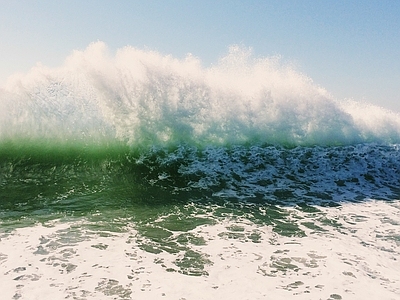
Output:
x=135 y=175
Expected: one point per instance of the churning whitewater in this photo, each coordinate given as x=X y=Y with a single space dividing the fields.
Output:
x=144 y=99
x=140 y=175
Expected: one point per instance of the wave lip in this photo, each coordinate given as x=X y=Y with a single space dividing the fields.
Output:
x=143 y=98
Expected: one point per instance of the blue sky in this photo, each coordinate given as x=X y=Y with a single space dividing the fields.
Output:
x=351 y=48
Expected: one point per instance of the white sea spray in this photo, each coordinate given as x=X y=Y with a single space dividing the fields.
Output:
x=145 y=98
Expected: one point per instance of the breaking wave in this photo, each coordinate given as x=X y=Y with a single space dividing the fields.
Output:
x=142 y=98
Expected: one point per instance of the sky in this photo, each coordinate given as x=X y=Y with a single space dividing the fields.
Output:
x=351 y=48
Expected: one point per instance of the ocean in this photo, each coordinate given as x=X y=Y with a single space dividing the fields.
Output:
x=137 y=175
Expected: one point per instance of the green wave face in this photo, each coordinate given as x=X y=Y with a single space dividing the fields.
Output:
x=82 y=181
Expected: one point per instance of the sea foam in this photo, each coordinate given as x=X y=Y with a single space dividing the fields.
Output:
x=144 y=98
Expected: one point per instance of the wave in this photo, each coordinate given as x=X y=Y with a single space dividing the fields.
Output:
x=50 y=184
x=141 y=98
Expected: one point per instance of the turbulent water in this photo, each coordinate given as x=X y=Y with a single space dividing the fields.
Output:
x=138 y=175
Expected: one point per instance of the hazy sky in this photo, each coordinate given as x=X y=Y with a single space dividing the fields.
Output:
x=352 y=48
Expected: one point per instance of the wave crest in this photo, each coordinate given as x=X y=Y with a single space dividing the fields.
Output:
x=144 y=98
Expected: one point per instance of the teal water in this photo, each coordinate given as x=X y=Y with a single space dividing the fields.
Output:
x=49 y=182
